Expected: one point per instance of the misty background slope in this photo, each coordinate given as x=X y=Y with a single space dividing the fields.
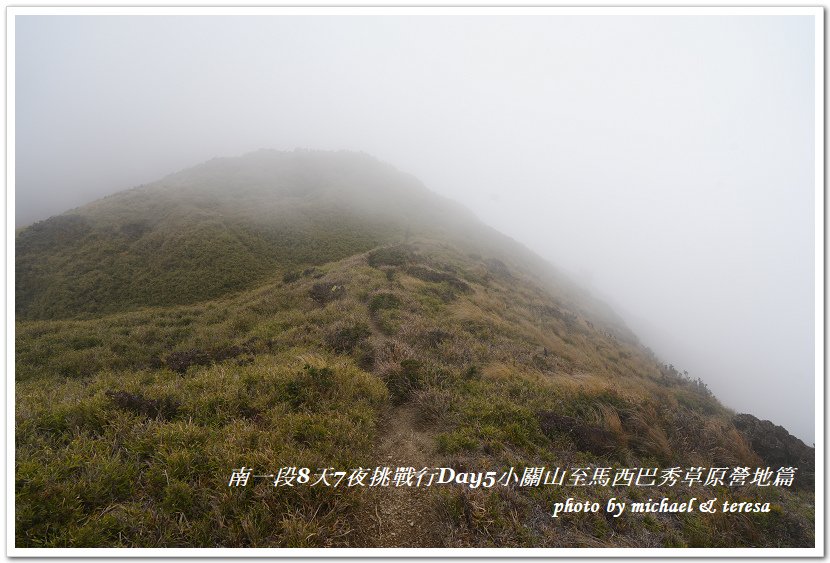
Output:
x=229 y=224
x=667 y=160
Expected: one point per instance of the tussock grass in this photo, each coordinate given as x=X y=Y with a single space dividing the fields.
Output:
x=102 y=455
x=116 y=445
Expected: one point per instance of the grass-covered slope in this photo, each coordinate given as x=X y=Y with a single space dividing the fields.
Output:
x=128 y=425
x=215 y=229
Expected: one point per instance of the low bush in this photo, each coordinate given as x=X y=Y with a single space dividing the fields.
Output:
x=326 y=292
x=404 y=381
x=180 y=361
x=344 y=339
x=165 y=408
x=381 y=301
x=390 y=256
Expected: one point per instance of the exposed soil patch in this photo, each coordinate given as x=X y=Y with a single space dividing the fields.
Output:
x=398 y=515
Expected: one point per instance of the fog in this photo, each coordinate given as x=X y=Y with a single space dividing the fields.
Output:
x=668 y=163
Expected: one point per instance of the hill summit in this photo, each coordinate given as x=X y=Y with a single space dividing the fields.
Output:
x=304 y=314
x=216 y=228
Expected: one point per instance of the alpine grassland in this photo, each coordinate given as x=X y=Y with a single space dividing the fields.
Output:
x=324 y=311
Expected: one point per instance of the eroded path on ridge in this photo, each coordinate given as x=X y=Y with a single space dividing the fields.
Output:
x=398 y=514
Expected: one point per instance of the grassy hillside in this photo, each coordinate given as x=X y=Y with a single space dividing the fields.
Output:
x=138 y=394
x=215 y=229
x=129 y=425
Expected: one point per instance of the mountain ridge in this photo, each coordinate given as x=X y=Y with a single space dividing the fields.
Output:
x=413 y=342
x=131 y=218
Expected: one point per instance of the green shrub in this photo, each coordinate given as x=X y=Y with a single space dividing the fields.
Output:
x=384 y=301
x=343 y=340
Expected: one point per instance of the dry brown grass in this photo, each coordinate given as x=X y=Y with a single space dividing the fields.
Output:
x=609 y=419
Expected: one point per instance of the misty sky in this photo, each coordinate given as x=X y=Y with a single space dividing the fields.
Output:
x=667 y=162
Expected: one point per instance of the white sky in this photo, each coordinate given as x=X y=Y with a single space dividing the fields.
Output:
x=667 y=161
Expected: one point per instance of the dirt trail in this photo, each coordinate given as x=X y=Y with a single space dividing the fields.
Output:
x=398 y=513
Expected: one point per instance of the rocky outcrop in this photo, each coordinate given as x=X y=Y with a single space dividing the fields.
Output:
x=778 y=448
x=587 y=437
